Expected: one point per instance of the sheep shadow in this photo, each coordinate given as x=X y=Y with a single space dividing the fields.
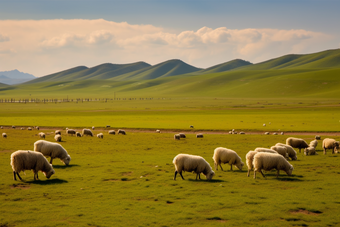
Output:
x=207 y=181
x=47 y=182
x=285 y=177
x=64 y=166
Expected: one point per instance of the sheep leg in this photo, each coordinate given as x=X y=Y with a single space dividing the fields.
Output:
x=181 y=175
x=277 y=174
x=18 y=176
x=199 y=176
x=324 y=151
x=254 y=174
x=221 y=167
x=231 y=167
x=51 y=161
x=248 y=172
x=262 y=174
x=175 y=175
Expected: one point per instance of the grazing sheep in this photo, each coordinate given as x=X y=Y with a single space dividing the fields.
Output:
x=192 y=163
x=267 y=150
x=281 y=150
x=318 y=137
x=182 y=135
x=112 y=132
x=330 y=144
x=230 y=132
x=57 y=132
x=1 y=127
x=57 y=138
x=93 y=128
x=120 y=131
x=282 y=133
x=200 y=135
x=70 y=132
x=191 y=126
x=296 y=143
x=242 y=133
x=53 y=150
x=78 y=134
x=275 y=133
x=310 y=151
x=158 y=131
x=266 y=133
x=224 y=155
x=100 y=135
x=268 y=161
x=177 y=137
x=87 y=132
x=108 y=126
x=21 y=128
x=313 y=143
x=13 y=126
x=291 y=152
x=37 y=127
x=30 y=160
x=29 y=129
x=264 y=125
x=249 y=160
x=4 y=135
x=42 y=135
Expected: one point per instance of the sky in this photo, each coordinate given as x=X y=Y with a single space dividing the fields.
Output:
x=42 y=37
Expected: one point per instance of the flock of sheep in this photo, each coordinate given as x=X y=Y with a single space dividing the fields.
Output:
x=260 y=159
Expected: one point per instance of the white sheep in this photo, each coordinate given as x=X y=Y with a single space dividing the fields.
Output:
x=267 y=133
x=330 y=144
x=282 y=133
x=266 y=150
x=30 y=160
x=281 y=150
x=249 y=160
x=13 y=126
x=291 y=152
x=225 y=155
x=177 y=137
x=310 y=151
x=78 y=134
x=108 y=126
x=269 y=161
x=93 y=127
x=200 y=135
x=318 y=137
x=87 y=132
x=275 y=133
x=242 y=133
x=120 y=131
x=192 y=163
x=1 y=127
x=53 y=150
x=313 y=143
x=264 y=125
x=182 y=135
x=70 y=132
x=112 y=132
x=158 y=131
x=57 y=132
x=4 y=135
x=42 y=135
x=100 y=135
x=296 y=143
x=57 y=138
x=29 y=129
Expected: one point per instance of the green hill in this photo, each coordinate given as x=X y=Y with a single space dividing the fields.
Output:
x=226 y=66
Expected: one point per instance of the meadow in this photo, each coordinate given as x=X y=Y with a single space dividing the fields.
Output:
x=128 y=181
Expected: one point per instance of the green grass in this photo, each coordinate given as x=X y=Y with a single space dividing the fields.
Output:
x=128 y=181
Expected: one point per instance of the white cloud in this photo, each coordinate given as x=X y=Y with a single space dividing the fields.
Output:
x=47 y=46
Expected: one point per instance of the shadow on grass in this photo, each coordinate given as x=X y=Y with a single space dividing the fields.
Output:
x=207 y=181
x=47 y=182
x=64 y=166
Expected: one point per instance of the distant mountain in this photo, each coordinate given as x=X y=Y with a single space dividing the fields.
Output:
x=226 y=66
x=15 y=77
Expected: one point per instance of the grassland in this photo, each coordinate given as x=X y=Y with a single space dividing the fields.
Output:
x=128 y=181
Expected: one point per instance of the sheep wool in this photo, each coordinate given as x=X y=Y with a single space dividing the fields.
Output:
x=291 y=152
x=192 y=163
x=87 y=132
x=53 y=150
x=200 y=135
x=78 y=134
x=225 y=155
x=100 y=135
x=313 y=143
x=296 y=143
x=330 y=144
x=70 y=131
x=57 y=138
x=30 y=160
x=249 y=160
x=281 y=150
x=112 y=132
x=266 y=150
x=42 y=135
x=4 y=135
x=310 y=151
x=57 y=132
x=120 y=131
x=182 y=135
x=177 y=137
x=269 y=161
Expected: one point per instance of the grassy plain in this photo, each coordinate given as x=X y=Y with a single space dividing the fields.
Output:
x=128 y=181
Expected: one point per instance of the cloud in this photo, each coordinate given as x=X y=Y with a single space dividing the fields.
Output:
x=42 y=47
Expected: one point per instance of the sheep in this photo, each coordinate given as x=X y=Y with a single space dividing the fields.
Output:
x=268 y=161
x=281 y=150
x=78 y=134
x=249 y=160
x=291 y=152
x=230 y=132
x=200 y=135
x=310 y=151
x=4 y=135
x=108 y=126
x=313 y=143
x=318 y=137
x=192 y=163
x=330 y=144
x=177 y=137
x=191 y=126
x=57 y=138
x=266 y=150
x=224 y=155
x=30 y=160
x=87 y=132
x=282 y=133
x=100 y=135
x=264 y=125
x=93 y=128
x=21 y=128
x=112 y=132
x=70 y=132
x=296 y=143
x=1 y=127
x=29 y=129
x=242 y=133
x=120 y=131
x=275 y=133
x=53 y=150
x=266 y=133
x=182 y=135
x=42 y=135
x=37 y=127
x=13 y=126
x=158 y=131
x=57 y=132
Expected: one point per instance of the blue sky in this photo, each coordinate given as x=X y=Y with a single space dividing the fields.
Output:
x=199 y=32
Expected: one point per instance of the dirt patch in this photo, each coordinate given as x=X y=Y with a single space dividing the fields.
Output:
x=20 y=186
x=306 y=212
